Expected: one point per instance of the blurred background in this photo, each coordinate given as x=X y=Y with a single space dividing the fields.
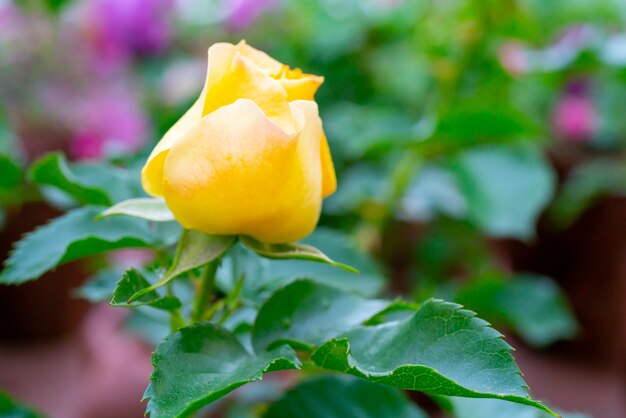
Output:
x=479 y=145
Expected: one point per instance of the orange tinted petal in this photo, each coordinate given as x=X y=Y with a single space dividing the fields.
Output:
x=235 y=172
x=232 y=76
x=303 y=88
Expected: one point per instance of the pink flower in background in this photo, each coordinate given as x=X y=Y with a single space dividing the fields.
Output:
x=130 y=258
x=244 y=12
x=575 y=117
x=106 y=121
x=117 y=29
x=513 y=58
x=8 y=14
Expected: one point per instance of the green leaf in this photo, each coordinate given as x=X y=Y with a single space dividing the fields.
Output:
x=57 y=5
x=369 y=282
x=378 y=129
x=437 y=348
x=471 y=124
x=11 y=409
x=306 y=314
x=431 y=192
x=195 y=249
x=494 y=408
x=264 y=276
x=10 y=180
x=145 y=207
x=394 y=311
x=98 y=183
x=585 y=186
x=440 y=350
x=334 y=397
x=293 y=251
x=100 y=286
x=202 y=363
x=67 y=238
x=151 y=325
x=532 y=305
x=133 y=281
x=52 y=170
x=505 y=188
x=362 y=185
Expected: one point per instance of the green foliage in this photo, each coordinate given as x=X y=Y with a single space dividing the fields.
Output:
x=55 y=6
x=264 y=276
x=10 y=180
x=585 y=186
x=100 y=286
x=52 y=170
x=11 y=409
x=306 y=314
x=362 y=184
x=425 y=80
x=379 y=130
x=439 y=349
x=87 y=183
x=195 y=249
x=132 y=282
x=505 y=188
x=292 y=251
x=202 y=363
x=493 y=408
x=476 y=123
x=333 y=397
x=70 y=237
x=145 y=208
x=532 y=305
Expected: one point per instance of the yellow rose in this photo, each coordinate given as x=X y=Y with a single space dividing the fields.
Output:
x=250 y=156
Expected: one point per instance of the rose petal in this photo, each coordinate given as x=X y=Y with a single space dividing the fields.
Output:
x=232 y=76
x=236 y=172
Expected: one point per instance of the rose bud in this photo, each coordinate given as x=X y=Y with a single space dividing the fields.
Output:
x=250 y=156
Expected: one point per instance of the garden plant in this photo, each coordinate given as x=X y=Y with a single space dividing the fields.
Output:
x=351 y=234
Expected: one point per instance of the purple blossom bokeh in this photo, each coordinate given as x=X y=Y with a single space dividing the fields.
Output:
x=243 y=13
x=103 y=118
x=575 y=117
x=119 y=29
x=107 y=122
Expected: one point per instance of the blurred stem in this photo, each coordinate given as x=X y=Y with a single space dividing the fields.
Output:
x=233 y=299
x=400 y=179
x=207 y=284
x=176 y=319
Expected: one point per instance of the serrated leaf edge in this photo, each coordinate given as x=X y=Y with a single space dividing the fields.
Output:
x=211 y=396
x=17 y=248
x=379 y=377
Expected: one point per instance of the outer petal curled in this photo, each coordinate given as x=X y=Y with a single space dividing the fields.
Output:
x=232 y=76
x=236 y=172
x=152 y=172
x=299 y=86
x=329 y=178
